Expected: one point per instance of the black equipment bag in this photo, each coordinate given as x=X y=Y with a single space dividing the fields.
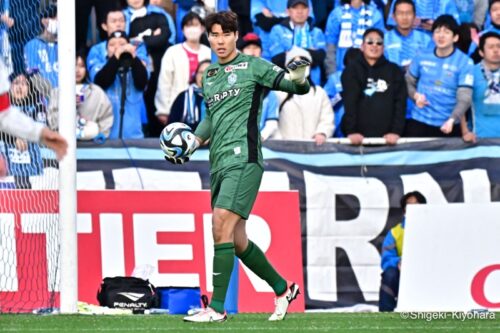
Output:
x=127 y=293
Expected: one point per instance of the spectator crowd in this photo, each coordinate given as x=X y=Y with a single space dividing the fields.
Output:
x=379 y=68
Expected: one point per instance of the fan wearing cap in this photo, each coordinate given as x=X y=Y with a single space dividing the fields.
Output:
x=251 y=45
x=265 y=14
x=41 y=52
x=297 y=29
x=308 y=116
x=123 y=70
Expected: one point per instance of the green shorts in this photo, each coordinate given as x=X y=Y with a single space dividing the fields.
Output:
x=235 y=188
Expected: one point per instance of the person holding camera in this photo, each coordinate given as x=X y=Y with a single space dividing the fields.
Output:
x=124 y=77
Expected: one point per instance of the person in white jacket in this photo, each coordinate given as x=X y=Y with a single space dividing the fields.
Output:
x=178 y=65
x=14 y=122
x=308 y=116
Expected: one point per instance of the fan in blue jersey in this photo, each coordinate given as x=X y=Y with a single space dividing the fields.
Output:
x=486 y=95
x=297 y=30
x=492 y=21
x=403 y=42
x=345 y=28
x=492 y=24
x=428 y=11
x=440 y=83
x=265 y=14
x=41 y=52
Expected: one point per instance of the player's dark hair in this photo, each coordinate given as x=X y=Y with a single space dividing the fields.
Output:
x=226 y=19
x=190 y=17
x=485 y=36
x=446 y=21
x=375 y=30
x=399 y=2
x=416 y=194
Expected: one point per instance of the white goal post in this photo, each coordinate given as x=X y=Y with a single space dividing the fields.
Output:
x=67 y=167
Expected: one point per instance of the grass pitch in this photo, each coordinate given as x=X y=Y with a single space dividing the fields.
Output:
x=254 y=323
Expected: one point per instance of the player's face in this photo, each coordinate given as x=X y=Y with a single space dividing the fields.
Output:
x=298 y=13
x=252 y=50
x=373 y=46
x=223 y=43
x=114 y=22
x=136 y=4
x=444 y=37
x=19 y=87
x=80 y=70
x=495 y=13
x=491 y=53
x=404 y=16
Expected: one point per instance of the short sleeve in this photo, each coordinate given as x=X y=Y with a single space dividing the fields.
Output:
x=466 y=76
x=414 y=69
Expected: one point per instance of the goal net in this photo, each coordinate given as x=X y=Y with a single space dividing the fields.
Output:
x=29 y=204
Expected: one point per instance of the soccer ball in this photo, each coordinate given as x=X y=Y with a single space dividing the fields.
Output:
x=177 y=140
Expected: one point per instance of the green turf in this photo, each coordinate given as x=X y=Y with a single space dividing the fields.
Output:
x=308 y=322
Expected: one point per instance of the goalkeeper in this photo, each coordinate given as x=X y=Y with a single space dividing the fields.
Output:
x=233 y=89
x=16 y=123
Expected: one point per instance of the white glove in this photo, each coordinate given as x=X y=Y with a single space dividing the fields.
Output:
x=297 y=71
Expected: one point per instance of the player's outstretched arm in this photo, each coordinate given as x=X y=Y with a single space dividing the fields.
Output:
x=295 y=81
x=16 y=123
x=54 y=141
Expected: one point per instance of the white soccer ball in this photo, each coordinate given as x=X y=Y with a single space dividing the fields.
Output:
x=177 y=140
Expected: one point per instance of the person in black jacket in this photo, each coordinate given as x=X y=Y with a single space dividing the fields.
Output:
x=374 y=94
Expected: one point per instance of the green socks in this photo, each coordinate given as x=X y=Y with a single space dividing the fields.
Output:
x=223 y=267
x=256 y=260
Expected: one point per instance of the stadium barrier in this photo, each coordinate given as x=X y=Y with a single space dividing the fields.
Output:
x=348 y=196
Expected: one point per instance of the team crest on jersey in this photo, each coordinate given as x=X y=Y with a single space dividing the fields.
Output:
x=232 y=78
x=212 y=72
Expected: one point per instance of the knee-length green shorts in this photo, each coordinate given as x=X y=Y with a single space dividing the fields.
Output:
x=235 y=188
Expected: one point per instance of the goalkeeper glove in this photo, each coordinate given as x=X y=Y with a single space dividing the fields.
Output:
x=297 y=71
x=184 y=158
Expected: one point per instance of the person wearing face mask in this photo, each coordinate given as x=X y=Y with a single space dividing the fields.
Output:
x=152 y=26
x=308 y=116
x=41 y=52
x=179 y=64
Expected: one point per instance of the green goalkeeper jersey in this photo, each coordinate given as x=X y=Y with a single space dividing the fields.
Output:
x=233 y=96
